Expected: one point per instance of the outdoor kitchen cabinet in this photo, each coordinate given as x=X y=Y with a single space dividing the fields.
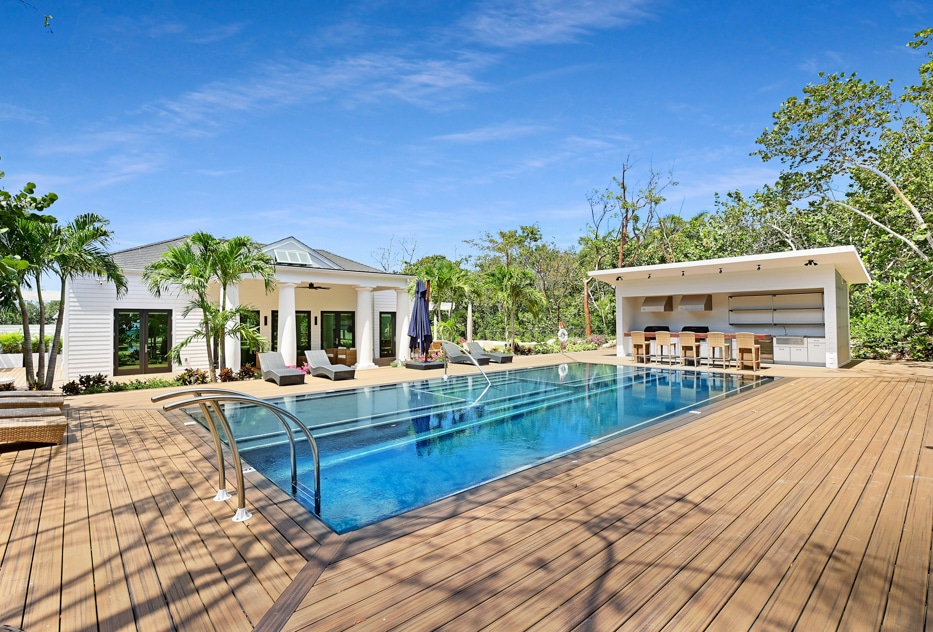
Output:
x=816 y=351
x=800 y=308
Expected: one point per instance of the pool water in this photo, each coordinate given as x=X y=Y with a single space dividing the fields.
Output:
x=388 y=449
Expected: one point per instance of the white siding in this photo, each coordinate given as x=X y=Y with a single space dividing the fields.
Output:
x=88 y=327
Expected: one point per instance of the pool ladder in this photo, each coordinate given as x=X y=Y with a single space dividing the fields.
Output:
x=209 y=400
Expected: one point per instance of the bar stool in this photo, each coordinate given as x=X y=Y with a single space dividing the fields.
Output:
x=640 y=347
x=717 y=340
x=747 y=352
x=689 y=348
x=662 y=340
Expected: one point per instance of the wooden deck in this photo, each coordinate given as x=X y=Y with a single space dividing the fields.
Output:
x=807 y=505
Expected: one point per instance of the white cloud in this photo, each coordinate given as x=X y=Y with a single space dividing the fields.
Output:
x=364 y=78
x=504 y=131
x=505 y=23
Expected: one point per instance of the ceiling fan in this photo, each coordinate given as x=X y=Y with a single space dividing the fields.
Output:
x=312 y=286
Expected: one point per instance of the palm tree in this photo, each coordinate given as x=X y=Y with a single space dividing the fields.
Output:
x=515 y=288
x=192 y=266
x=31 y=242
x=232 y=259
x=189 y=270
x=80 y=249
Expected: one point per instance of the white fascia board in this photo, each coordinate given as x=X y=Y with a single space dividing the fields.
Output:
x=845 y=259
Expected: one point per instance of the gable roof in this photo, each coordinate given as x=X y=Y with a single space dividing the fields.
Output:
x=139 y=257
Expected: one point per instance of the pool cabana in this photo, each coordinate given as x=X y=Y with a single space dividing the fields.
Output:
x=802 y=295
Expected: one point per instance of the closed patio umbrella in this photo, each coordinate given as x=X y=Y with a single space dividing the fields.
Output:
x=420 y=328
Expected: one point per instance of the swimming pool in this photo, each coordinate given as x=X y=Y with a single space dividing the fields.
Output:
x=388 y=449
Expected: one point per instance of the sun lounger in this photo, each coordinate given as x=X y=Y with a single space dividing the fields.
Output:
x=457 y=356
x=477 y=351
x=320 y=366
x=32 y=417
x=274 y=370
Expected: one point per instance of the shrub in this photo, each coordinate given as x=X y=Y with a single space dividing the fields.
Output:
x=11 y=342
x=71 y=388
x=227 y=375
x=248 y=372
x=193 y=376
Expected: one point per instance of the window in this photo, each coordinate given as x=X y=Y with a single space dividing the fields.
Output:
x=337 y=329
x=141 y=341
x=247 y=355
x=386 y=334
x=293 y=257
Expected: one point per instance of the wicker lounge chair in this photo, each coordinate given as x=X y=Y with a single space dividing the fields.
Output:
x=31 y=417
x=274 y=370
x=456 y=355
x=320 y=366
x=476 y=350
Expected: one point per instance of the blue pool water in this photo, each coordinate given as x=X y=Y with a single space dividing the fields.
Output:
x=389 y=449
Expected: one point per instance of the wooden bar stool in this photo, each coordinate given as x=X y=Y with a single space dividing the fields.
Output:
x=640 y=347
x=717 y=340
x=662 y=340
x=747 y=352
x=689 y=348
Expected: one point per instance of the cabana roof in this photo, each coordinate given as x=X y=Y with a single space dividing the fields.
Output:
x=845 y=259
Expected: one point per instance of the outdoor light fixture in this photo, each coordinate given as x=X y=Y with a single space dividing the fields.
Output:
x=618 y=278
x=720 y=270
x=649 y=276
x=759 y=266
x=811 y=262
x=265 y=321
x=681 y=273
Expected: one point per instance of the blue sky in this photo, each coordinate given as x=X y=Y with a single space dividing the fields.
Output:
x=347 y=123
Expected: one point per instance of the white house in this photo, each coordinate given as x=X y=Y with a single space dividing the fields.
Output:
x=321 y=301
x=798 y=299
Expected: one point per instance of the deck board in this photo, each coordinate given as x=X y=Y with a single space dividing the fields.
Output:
x=807 y=505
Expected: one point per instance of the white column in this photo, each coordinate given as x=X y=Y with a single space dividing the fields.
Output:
x=286 y=333
x=364 y=328
x=470 y=321
x=231 y=344
x=402 y=321
x=621 y=324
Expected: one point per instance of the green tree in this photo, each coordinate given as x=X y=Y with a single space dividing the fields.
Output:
x=191 y=267
x=855 y=145
x=186 y=269
x=79 y=249
x=232 y=259
x=515 y=290
x=622 y=218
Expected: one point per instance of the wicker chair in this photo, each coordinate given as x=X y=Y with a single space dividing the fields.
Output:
x=640 y=347
x=717 y=340
x=747 y=352
x=662 y=340
x=689 y=348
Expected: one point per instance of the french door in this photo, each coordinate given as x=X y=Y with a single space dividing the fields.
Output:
x=141 y=341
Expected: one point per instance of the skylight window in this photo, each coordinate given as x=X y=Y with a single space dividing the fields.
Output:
x=293 y=256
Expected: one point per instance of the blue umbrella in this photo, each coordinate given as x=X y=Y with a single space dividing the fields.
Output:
x=420 y=328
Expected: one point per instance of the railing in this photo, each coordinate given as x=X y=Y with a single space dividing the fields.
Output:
x=467 y=354
x=209 y=399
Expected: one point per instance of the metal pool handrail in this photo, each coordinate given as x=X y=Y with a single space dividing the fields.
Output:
x=213 y=396
x=472 y=359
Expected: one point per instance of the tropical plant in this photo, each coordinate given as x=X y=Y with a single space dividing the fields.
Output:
x=515 y=290
x=191 y=268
